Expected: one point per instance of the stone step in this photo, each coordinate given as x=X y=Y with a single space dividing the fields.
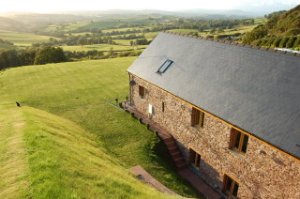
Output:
x=164 y=136
x=178 y=159
x=180 y=164
x=171 y=145
x=173 y=148
x=175 y=153
x=169 y=140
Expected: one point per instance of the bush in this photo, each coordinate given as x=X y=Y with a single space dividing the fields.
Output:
x=290 y=42
x=297 y=42
x=277 y=42
x=283 y=42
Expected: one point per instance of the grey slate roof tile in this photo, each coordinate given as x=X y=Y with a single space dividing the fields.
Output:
x=256 y=90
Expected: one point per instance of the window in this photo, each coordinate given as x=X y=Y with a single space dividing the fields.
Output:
x=141 y=91
x=150 y=110
x=197 y=117
x=238 y=140
x=165 y=66
x=195 y=158
x=230 y=187
x=162 y=107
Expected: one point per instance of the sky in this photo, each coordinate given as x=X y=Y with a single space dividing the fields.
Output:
x=48 y=6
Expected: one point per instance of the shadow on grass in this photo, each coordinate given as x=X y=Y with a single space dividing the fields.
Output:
x=160 y=154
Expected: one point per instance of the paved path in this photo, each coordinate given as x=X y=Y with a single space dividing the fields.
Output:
x=198 y=184
x=144 y=176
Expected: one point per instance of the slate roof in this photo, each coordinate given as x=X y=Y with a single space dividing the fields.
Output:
x=256 y=90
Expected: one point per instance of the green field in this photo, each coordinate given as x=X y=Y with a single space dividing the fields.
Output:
x=123 y=42
x=240 y=29
x=67 y=27
x=22 y=39
x=258 y=21
x=72 y=138
x=102 y=47
x=150 y=35
x=46 y=156
x=122 y=29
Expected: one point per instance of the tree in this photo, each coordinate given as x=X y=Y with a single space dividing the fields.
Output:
x=258 y=33
x=49 y=55
x=142 y=41
x=131 y=43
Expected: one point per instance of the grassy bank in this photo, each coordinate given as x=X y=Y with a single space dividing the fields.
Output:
x=45 y=156
x=85 y=92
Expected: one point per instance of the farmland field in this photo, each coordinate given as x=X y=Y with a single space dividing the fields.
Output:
x=241 y=30
x=102 y=47
x=70 y=139
x=84 y=93
x=22 y=39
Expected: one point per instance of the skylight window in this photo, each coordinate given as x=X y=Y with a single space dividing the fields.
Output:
x=164 y=67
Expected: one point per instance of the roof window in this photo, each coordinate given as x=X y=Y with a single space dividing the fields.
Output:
x=164 y=67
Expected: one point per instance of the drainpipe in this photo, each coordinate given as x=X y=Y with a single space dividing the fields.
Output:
x=130 y=90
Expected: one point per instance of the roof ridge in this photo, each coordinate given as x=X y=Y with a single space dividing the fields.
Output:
x=233 y=43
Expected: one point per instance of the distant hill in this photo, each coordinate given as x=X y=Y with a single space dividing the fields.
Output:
x=10 y=24
x=281 y=30
x=41 y=20
x=31 y=22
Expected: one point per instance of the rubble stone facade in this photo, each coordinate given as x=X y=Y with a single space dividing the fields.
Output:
x=264 y=171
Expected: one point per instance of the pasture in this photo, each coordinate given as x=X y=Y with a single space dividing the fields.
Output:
x=74 y=102
x=102 y=47
x=46 y=156
x=22 y=39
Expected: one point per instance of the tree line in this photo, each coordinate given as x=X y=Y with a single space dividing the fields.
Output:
x=2 y=41
x=90 y=39
x=13 y=58
x=44 y=55
x=87 y=39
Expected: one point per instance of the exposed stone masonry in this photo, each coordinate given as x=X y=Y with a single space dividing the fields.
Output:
x=262 y=172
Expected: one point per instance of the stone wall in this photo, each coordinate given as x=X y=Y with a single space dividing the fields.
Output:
x=262 y=172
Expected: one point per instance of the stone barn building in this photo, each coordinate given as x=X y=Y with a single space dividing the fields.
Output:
x=233 y=110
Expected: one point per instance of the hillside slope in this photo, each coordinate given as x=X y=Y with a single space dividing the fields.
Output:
x=11 y=24
x=85 y=93
x=281 y=30
x=45 y=156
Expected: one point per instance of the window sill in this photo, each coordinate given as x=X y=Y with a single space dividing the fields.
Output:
x=195 y=167
x=237 y=153
x=197 y=126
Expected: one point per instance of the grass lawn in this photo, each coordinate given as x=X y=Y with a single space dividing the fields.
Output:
x=123 y=41
x=22 y=39
x=46 y=156
x=122 y=29
x=84 y=93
